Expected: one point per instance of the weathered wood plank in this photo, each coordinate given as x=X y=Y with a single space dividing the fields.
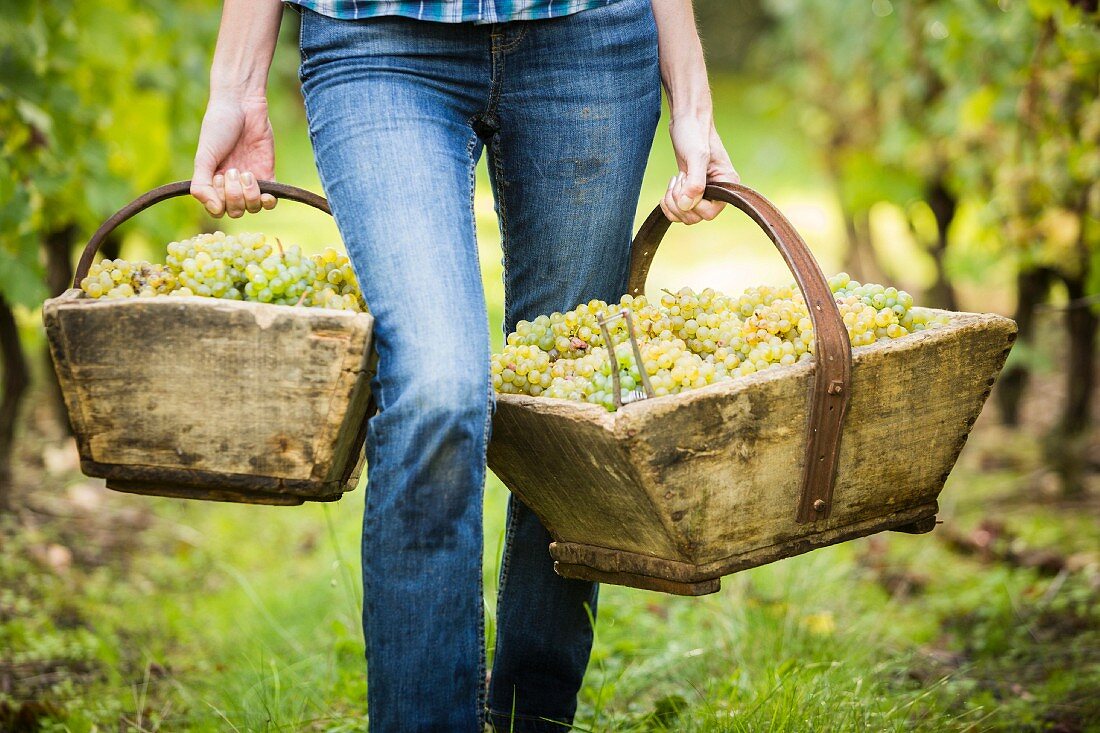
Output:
x=213 y=387
x=714 y=474
x=560 y=458
x=635 y=580
x=611 y=560
x=188 y=491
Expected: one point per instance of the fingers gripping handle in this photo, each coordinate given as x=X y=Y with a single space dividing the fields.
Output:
x=833 y=352
x=172 y=190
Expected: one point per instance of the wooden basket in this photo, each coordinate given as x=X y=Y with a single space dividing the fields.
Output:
x=215 y=399
x=671 y=493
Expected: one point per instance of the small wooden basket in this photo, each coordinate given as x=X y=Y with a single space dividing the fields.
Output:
x=205 y=398
x=671 y=493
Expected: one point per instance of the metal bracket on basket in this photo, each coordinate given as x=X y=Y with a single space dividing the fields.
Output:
x=615 y=383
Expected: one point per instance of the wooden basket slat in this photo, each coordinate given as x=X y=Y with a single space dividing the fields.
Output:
x=208 y=388
x=899 y=444
x=342 y=449
x=542 y=443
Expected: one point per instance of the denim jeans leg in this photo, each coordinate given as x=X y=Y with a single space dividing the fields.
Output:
x=388 y=102
x=566 y=166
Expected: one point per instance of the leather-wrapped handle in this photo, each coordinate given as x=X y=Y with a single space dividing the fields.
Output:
x=833 y=351
x=172 y=190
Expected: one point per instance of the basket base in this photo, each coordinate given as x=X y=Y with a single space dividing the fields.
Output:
x=177 y=483
x=634 y=580
x=921 y=526
x=178 y=491
x=619 y=567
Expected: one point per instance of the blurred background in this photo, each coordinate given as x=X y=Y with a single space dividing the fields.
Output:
x=947 y=147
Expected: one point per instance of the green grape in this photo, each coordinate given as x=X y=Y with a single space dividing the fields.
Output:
x=331 y=282
x=235 y=267
x=689 y=340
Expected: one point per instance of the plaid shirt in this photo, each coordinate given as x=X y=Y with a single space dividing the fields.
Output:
x=451 y=11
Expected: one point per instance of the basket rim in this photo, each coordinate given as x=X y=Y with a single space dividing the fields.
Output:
x=958 y=321
x=75 y=297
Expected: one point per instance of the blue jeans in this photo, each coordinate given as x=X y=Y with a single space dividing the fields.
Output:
x=399 y=113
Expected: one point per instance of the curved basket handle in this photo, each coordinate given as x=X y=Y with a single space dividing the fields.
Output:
x=833 y=351
x=172 y=190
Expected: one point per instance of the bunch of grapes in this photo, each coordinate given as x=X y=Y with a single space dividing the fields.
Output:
x=235 y=267
x=688 y=340
x=563 y=335
x=334 y=284
x=121 y=279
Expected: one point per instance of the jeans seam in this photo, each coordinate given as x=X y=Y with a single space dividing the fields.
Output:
x=482 y=693
x=502 y=214
x=505 y=563
x=496 y=71
x=301 y=45
x=506 y=47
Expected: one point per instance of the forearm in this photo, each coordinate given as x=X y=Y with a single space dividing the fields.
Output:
x=246 y=43
x=700 y=155
x=683 y=70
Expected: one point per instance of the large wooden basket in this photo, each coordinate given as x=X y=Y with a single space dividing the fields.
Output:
x=671 y=493
x=213 y=399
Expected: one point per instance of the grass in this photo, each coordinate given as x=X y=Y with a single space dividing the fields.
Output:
x=141 y=614
x=183 y=616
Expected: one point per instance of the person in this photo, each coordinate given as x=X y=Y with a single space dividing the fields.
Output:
x=402 y=97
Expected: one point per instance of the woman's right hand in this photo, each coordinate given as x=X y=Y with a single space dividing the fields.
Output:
x=236 y=149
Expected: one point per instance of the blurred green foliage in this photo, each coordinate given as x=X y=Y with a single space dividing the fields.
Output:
x=730 y=29
x=927 y=105
x=94 y=98
x=933 y=103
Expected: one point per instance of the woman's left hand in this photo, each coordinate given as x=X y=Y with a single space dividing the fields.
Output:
x=702 y=159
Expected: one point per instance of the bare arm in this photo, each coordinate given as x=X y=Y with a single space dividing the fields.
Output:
x=236 y=145
x=700 y=155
